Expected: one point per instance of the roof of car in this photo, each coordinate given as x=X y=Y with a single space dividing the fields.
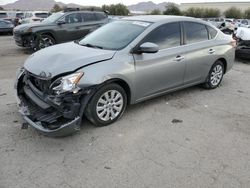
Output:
x=159 y=18
x=82 y=11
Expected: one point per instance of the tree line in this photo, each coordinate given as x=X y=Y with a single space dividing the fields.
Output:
x=114 y=9
x=233 y=12
x=171 y=9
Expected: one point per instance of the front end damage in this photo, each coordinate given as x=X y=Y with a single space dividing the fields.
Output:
x=51 y=114
x=24 y=39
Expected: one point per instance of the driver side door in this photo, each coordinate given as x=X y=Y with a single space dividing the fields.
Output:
x=158 y=72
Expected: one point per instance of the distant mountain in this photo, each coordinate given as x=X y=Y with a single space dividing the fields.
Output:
x=148 y=6
x=48 y=5
x=36 y=5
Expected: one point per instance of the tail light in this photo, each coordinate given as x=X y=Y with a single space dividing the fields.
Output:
x=233 y=43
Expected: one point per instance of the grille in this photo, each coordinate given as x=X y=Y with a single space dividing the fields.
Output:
x=40 y=84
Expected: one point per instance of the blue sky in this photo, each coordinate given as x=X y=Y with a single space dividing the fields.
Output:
x=126 y=2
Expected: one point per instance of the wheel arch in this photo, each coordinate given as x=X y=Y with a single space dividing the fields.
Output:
x=47 y=33
x=124 y=85
x=224 y=61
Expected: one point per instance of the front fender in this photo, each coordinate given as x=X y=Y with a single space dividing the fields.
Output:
x=108 y=71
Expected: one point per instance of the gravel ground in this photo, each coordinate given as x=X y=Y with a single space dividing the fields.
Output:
x=190 y=138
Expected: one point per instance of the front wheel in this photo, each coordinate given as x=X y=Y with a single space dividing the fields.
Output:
x=44 y=41
x=215 y=76
x=107 y=105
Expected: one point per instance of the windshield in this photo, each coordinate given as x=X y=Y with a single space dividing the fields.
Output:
x=115 y=35
x=54 y=17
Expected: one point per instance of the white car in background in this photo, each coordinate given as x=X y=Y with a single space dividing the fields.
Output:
x=35 y=16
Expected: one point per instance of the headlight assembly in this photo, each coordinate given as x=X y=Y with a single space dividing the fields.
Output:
x=67 y=83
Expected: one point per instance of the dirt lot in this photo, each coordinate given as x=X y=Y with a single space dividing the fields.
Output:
x=208 y=147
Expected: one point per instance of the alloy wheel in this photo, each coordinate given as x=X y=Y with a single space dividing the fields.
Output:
x=216 y=75
x=109 y=105
x=45 y=42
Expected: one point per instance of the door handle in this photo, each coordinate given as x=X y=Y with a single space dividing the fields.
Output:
x=178 y=58
x=211 y=51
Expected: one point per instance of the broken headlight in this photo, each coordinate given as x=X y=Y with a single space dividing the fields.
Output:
x=67 y=83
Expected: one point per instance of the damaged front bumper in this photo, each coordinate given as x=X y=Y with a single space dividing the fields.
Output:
x=24 y=40
x=63 y=130
x=54 y=116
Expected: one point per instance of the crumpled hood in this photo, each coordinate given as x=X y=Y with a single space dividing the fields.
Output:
x=64 y=58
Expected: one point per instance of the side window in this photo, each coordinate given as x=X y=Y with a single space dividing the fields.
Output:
x=73 y=18
x=195 y=32
x=89 y=17
x=211 y=32
x=100 y=16
x=166 y=36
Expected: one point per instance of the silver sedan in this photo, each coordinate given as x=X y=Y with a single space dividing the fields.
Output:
x=124 y=62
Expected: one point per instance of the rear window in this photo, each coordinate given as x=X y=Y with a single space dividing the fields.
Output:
x=41 y=15
x=19 y=15
x=3 y=15
x=195 y=32
x=211 y=32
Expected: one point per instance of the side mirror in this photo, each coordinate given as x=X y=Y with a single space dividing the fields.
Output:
x=147 y=47
x=60 y=22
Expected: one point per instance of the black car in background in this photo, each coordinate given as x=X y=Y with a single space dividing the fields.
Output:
x=58 y=28
x=6 y=26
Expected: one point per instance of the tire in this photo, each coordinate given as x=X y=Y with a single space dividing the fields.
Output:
x=44 y=41
x=107 y=105
x=215 y=75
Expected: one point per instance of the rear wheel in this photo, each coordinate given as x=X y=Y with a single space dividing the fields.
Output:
x=44 y=41
x=215 y=76
x=107 y=105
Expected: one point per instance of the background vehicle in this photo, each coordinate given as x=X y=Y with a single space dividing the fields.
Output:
x=12 y=16
x=121 y=63
x=35 y=16
x=18 y=17
x=59 y=27
x=6 y=26
x=4 y=15
x=226 y=25
x=243 y=23
x=242 y=35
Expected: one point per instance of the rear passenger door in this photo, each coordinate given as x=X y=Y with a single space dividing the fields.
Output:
x=200 y=51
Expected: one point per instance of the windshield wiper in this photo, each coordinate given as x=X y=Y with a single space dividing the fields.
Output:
x=91 y=46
